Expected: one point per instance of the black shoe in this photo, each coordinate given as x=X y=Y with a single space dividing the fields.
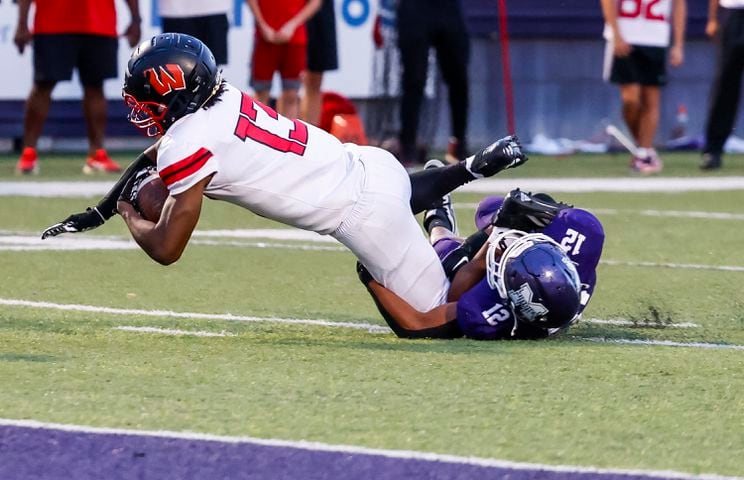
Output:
x=444 y=214
x=500 y=155
x=710 y=161
x=527 y=212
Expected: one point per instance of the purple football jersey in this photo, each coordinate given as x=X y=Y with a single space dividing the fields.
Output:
x=581 y=236
x=483 y=314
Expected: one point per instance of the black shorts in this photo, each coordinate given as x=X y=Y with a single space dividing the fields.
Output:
x=644 y=65
x=56 y=55
x=210 y=29
x=322 y=55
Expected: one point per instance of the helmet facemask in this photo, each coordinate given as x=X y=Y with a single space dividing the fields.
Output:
x=147 y=116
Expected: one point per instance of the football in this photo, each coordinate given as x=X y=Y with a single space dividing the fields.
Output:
x=151 y=197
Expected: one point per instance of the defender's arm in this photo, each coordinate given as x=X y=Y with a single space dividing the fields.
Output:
x=408 y=317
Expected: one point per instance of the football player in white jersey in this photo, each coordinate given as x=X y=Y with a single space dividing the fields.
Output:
x=217 y=141
x=638 y=34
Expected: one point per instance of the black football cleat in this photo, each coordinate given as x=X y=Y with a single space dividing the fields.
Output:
x=527 y=212
x=500 y=155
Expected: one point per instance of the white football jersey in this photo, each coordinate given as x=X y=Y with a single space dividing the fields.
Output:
x=643 y=22
x=732 y=3
x=192 y=8
x=281 y=169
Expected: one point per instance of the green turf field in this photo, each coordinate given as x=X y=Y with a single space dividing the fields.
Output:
x=670 y=275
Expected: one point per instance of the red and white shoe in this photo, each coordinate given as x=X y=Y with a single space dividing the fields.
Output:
x=647 y=165
x=100 y=162
x=654 y=164
x=28 y=164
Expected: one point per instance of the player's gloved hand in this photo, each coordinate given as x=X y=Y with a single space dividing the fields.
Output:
x=131 y=188
x=78 y=222
x=526 y=211
x=364 y=276
x=500 y=155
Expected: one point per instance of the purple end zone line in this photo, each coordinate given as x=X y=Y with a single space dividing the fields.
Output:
x=35 y=450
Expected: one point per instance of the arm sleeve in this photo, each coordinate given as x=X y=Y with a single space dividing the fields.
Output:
x=107 y=206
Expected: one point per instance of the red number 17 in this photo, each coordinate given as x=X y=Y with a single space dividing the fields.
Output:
x=248 y=127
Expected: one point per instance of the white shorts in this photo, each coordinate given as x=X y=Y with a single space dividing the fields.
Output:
x=386 y=238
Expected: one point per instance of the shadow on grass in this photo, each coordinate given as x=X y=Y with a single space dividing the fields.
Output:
x=24 y=357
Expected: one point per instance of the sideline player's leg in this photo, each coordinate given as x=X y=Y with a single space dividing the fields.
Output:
x=647 y=126
x=311 y=101
x=290 y=67
x=97 y=61
x=264 y=62
x=37 y=108
x=428 y=186
x=95 y=111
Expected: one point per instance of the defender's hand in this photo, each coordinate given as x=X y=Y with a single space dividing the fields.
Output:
x=78 y=222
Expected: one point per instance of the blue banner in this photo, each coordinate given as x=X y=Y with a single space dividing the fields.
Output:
x=558 y=18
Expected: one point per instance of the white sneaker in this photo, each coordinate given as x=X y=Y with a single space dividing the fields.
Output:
x=446 y=211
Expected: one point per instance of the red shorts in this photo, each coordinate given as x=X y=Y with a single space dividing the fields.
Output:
x=288 y=59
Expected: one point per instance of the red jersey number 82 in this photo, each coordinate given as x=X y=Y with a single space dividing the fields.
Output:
x=648 y=9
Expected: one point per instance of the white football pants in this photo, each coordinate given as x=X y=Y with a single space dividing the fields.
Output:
x=386 y=238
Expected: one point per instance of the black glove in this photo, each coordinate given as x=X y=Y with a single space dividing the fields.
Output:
x=106 y=208
x=77 y=222
x=364 y=276
x=527 y=212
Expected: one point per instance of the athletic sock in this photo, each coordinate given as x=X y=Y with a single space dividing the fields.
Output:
x=430 y=185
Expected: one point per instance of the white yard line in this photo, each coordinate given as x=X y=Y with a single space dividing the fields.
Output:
x=618 y=184
x=12 y=241
x=170 y=331
x=63 y=242
x=685 y=266
x=356 y=450
x=662 y=343
x=190 y=315
x=55 y=189
x=646 y=213
x=318 y=322
x=489 y=185
x=630 y=323
x=684 y=214
x=289 y=246
x=286 y=234
x=16 y=242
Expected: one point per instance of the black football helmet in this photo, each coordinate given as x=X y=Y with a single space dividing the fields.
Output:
x=167 y=77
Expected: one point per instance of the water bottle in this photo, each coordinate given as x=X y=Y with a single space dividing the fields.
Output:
x=680 y=128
